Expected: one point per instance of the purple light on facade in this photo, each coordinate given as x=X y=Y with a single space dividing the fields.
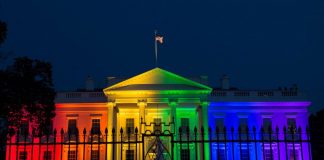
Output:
x=274 y=104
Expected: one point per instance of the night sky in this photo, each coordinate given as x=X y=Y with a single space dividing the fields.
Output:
x=260 y=44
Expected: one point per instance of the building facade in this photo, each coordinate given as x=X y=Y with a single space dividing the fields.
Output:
x=157 y=103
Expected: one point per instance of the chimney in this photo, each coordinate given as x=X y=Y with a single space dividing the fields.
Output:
x=225 y=82
x=89 y=84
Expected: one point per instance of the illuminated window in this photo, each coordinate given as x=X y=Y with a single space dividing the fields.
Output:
x=72 y=126
x=95 y=155
x=291 y=122
x=220 y=124
x=95 y=126
x=267 y=122
x=130 y=155
x=185 y=154
x=184 y=125
x=268 y=155
x=71 y=155
x=243 y=124
x=130 y=125
x=47 y=155
x=23 y=155
x=157 y=124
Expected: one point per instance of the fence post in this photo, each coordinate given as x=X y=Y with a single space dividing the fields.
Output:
x=136 y=133
x=106 y=135
x=262 y=141
x=248 y=141
x=69 y=142
x=128 y=137
x=17 y=142
x=202 y=142
x=180 y=136
x=278 y=145
x=240 y=140
x=210 y=141
x=292 y=132
x=77 y=143
x=25 y=132
x=255 y=143
x=54 y=149
x=187 y=129
x=232 y=131
x=99 y=136
x=285 y=139
x=32 y=143
x=196 y=149
x=217 y=140
x=39 y=144
x=84 y=142
x=91 y=141
x=121 y=142
x=47 y=139
x=309 y=143
x=270 y=138
x=113 y=131
x=225 y=140
x=62 y=141
x=300 y=142
x=11 y=133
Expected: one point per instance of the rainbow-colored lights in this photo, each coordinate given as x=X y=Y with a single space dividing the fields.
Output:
x=262 y=104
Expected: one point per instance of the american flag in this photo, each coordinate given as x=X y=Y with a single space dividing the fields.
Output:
x=159 y=39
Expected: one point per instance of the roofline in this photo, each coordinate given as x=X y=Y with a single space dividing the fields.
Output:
x=173 y=74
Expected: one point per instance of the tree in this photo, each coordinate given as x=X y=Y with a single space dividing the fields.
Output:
x=316 y=122
x=3 y=32
x=27 y=94
x=3 y=36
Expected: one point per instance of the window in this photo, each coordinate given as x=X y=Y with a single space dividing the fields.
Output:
x=185 y=154
x=244 y=154
x=291 y=122
x=95 y=126
x=267 y=123
x=184 y=125
x=221 y=153
x=24 y=127
x=23 y=155
x=293 y=155
x=71 y=155
x=220 y=124
x=72 y=126
x=243 y=125
x=95 y=155
x=157 y=124
x=49 y=127
x=268 y=155
x=47 y=155
x=130 y=154
x=130 y=125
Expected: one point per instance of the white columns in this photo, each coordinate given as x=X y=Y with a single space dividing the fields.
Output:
x=203 y=122
x=110 y=125
x=173 y=116
x=141 y=107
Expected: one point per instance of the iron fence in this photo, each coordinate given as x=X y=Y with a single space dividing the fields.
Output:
x=219 y=143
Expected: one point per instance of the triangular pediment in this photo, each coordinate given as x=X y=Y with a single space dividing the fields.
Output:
x=157 y=79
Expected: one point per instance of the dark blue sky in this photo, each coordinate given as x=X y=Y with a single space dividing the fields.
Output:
x=260 y=44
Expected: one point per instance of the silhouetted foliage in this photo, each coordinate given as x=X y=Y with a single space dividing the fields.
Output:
x=27 y=94
x=316 y=122
x=3 y=32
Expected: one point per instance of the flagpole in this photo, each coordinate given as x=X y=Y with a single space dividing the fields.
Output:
x=156 y=50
